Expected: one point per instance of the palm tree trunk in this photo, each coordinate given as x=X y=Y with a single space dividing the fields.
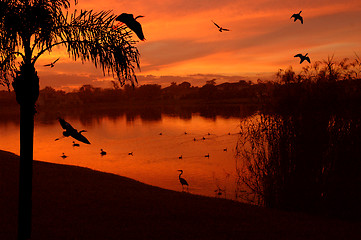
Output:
x=25 y=171
x=26 y=86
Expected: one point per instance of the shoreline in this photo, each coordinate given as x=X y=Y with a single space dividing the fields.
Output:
x=71 y=202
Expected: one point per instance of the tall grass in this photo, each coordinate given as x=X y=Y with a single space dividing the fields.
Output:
x=302 y=150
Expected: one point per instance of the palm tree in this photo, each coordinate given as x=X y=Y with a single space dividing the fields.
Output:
x=30 y=28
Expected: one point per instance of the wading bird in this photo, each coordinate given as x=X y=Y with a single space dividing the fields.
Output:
x=63 y=156
x=102 y=152
x=303 y=57
x=76 y=144
x=220 y=28
x=70 y=131
x=297 y=16
x=51 y=64
x=182 y=180
x=132 y=23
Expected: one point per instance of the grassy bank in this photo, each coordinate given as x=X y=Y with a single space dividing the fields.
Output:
x=78 y=203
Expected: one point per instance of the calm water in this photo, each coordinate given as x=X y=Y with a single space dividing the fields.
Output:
x=156 y=146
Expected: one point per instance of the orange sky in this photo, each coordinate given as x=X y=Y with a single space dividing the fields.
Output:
x=183 y=44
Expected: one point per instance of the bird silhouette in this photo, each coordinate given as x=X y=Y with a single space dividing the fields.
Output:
x=303 y=57
x=297 y=16
x=102 y=152
x=207 y=156
x=182 y=180
x=70 y=131
x=132 y=23
x=225 y=149
x=51 y=64
x=63 y=156
x=76 y=144
x=180 y=157
x=130 y=153
x=220 y=28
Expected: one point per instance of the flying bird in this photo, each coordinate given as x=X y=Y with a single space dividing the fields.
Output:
x=102 y=152
x=51 y=64
x=63 y=156
x=132 y=23
x=303 y=57
x=297 y=16
x=70 y=131
x=182 y=180
x=220 y=28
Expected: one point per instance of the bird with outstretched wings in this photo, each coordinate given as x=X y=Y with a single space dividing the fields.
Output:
x=51 y=64
x=297 y=16
x=132 y=23
x=303 y=57
x=221 y=29
x=72 y=132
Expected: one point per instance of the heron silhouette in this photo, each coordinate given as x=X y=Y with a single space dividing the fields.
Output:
x=70 y=131
x=220 y=28
x=75 y=144
x=297 y=16
x=303 y=57
x=102 y=152
x=51 y=64
x=63 y=156
x=182 y=180
x=132 y=23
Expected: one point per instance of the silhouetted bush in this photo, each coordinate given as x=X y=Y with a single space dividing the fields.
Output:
x=302 y=150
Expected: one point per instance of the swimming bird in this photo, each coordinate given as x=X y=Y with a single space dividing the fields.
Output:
x=207 y=156
x=303 y=57
x=70 y=131
x=51 y=64
x=76 y=144
x=220 y=28
x=225 y=149
x=180 y=157
x=132 y=23
x=102 y=152
x=194 y=139
x=130 y=153
x=297 y=16
x=63 y=156
x=182 y=180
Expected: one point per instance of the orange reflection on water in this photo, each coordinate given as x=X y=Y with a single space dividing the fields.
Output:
x=155 y=158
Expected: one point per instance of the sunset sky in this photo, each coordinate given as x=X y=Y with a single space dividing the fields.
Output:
x=182 y=44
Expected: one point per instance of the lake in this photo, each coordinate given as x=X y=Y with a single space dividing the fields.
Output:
x=160 y=147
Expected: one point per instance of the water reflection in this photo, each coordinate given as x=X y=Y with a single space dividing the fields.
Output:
x=155 y=158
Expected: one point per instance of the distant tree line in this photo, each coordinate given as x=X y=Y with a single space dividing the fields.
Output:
x=144 y=94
